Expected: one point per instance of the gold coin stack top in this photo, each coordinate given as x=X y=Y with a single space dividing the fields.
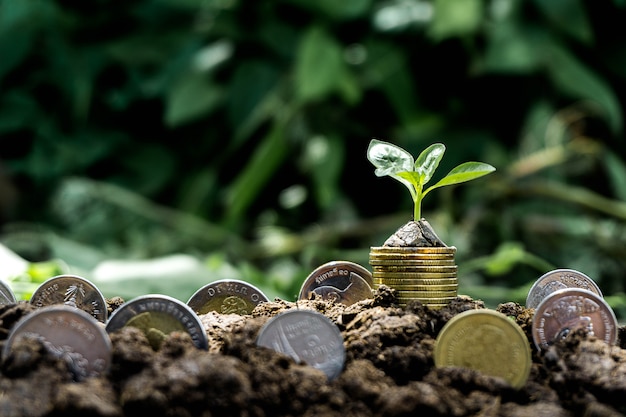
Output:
x=426 y=274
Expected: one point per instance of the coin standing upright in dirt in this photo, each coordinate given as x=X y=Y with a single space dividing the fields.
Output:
x=556 y=280
x=486 y=341
x=73 y=291
x=227 y=296
x=307 y=337
x=67 y=333
x=157 y=316
x=7 y=296
x=570 y=309
x=338 y=281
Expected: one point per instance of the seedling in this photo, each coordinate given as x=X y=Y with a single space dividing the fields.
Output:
x=394 y=161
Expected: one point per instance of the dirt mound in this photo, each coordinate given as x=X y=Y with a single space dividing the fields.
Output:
x=389 y=371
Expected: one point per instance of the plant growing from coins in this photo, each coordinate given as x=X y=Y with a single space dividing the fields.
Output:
x=399 y=164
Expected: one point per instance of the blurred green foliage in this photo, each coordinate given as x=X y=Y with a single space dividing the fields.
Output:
x=141 y=128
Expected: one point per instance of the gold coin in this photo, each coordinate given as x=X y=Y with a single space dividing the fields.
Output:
x=376 y=263
x=425 y=294
x=410 y=256
x=419 y=287
x=406 y=281
x=413 y=249
x=435 y=300
x=412 y=275
x=411 y=269
x=486 y=341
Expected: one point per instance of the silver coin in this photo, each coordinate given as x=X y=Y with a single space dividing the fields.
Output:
x=559 y=279
x=73 y=291
x=68 y=333
x=569 y=309
x=227 y=296
x=308 y=337
x=6 y=294
x=157 y=316
x=339 y=281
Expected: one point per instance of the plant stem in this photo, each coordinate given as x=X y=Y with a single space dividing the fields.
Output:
x=417 y=202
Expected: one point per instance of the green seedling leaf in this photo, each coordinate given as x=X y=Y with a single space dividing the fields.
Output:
x=428 y=161
x=388 y=159
x=397 y=163
x=465 y=172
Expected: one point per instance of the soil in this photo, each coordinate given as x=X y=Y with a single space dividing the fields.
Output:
x=389 y=371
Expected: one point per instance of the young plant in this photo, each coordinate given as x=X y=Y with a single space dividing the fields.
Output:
x=394 y=161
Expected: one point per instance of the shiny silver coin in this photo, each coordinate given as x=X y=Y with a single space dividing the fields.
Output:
x=73 y=291
x=68 y=333
x=570 y=309
x=157 y=316
x=308 y=337
x=338 y=281
x=6 y=294
x=559 y=279
x=227 y=296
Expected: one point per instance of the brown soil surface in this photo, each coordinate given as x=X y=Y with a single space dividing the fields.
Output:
x=389 y=371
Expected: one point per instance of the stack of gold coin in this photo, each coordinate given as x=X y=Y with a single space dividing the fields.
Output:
x=427 y=274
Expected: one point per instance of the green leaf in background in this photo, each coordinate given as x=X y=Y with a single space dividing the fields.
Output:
x=572 y=77
x=252 y=82
x=343 y=9
x=256 y=173
x=324 y=158
x=465 y=172
x=192 y=96
x=319 y=65
x=511 y=49
x=455 y=18
x=568 y=15
x=616 y=170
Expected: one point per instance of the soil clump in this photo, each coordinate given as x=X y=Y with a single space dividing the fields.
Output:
x=389 y=371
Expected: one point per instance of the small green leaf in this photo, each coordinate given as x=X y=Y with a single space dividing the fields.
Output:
x=428 y=161
x=465 y=172
x=388 y=159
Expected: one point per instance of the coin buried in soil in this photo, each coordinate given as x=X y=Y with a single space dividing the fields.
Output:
x=308 y=337
x=338 y=281
x=73 y=291
x=6 y=294
x=67 y=333
x=486 y=341
x=227 y=296
x=157 y=316
x=556 y=280
x=570 y=309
